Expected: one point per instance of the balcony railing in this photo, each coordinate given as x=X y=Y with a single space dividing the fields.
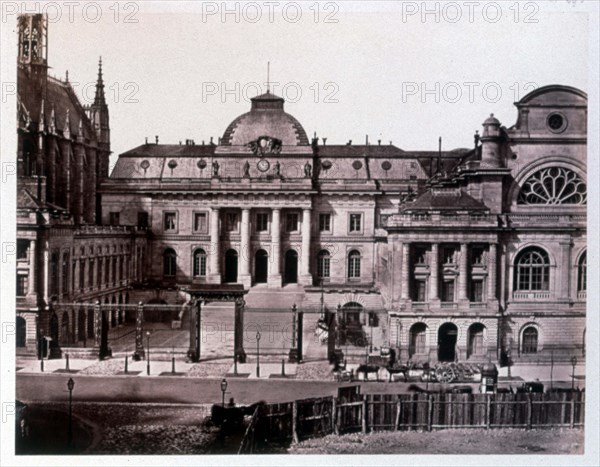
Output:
x=541 y=295
x=582 y=295
x=449 y=305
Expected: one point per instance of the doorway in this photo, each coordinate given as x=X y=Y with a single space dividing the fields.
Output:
x=291 y=267
x=261 y=260
x=231 y=266
x=21 y=331
x=447 y=336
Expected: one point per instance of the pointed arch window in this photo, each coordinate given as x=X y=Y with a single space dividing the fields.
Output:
x=554 y=185
x=199 y=263
x=582 y=273
x=532 y=267
x=169 y=263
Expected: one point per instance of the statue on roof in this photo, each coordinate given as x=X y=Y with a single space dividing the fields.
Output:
x=277 y=169
x=215 y=167
x=246 y=169
x=307 y=170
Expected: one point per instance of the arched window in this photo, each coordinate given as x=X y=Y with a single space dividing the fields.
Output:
x=199 y=263
x=169 y=263
x=475 y=343
x=529 y=340
x=417 y=343
x=582 y=273
x=354 y=265
x=532 y=270
x=323 y=264
x=553 y=185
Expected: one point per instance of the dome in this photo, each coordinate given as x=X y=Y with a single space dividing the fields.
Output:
x=266 y=118
x=491 y=120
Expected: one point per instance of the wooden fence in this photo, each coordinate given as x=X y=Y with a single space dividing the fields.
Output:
x=299 y=420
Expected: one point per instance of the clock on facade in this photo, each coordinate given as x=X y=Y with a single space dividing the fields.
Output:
x=263 y=165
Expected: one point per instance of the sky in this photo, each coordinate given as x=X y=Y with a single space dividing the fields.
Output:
x=406 y=72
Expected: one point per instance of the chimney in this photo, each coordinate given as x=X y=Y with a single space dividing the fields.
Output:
x=379 y=142
x=367 y=140
x=211 y=141
x=146 y=140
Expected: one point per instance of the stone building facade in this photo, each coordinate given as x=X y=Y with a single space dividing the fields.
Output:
x=470 y=255
x=64 y=255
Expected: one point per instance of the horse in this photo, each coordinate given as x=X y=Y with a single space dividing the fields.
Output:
x=366 y=369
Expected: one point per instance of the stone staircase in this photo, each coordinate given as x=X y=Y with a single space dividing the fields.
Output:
x=370 y=301
x=261 y=297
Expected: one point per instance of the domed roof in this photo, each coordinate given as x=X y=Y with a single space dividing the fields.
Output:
x=266 y=118
x=491 y=120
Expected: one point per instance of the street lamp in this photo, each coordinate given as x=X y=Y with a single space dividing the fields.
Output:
x=573 y=364
x=148 y=356
x=70 y=386
x=258 y=354
x=223 y=389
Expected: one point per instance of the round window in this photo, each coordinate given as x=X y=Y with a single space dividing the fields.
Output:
x=556 y=122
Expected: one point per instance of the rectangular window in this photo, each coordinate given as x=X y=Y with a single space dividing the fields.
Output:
x=420 y=287
x=231 y=221
x=355 y=223
x=477 y=291
x=142 y=219
x=448 y=291
x=21 y=285
x=170 y=221
x=325 y=222
x=291 y=222
x=22 y=249
x=113 y=218
x=200 y=222
x=262 y=222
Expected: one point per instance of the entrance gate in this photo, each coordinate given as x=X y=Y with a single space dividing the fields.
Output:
x=208 y=293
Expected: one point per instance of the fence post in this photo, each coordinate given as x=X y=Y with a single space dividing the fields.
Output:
x=295 y=422
x=488 y=411
x=572 y=410
x=364 y=413
x=398 y=412
x=429 y=411
x=334 y=416
x=529 y=411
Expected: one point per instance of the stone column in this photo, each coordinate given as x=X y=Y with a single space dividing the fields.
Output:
x=563 y=290
x=214 y=276
x=305 y=276
x=46 y=273
x=274 y=279
x=491 y=284
x=32 y=268
x=405 y=272
x=139 y=336
x=434 y=277
x=244 y=277
x=463 y=272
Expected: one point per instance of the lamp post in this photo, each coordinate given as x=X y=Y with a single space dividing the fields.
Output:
x=573 y=364
x=258 y=354
x=148 y=355
x=223 y=389
x=70 y=386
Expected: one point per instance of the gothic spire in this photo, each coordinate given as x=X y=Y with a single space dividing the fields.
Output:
x=99 y=99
